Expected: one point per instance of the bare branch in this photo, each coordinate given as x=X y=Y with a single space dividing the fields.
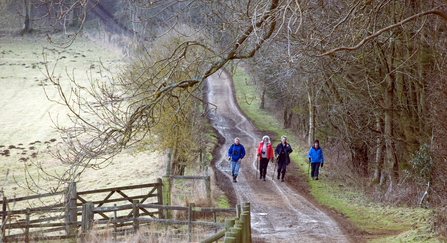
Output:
x=368 y=38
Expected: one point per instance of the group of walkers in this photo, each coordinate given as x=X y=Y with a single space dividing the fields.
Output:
x=236 y=153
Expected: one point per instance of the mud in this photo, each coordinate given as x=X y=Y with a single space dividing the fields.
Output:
x=280 y=211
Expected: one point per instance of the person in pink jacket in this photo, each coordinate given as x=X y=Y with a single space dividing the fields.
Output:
x=265 y=153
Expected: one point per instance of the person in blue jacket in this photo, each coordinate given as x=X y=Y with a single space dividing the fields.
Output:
x=315 y=159
x=235 y=154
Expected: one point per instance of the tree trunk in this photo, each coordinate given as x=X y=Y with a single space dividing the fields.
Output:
x=389 y=118
x=289 y=119
x=262 y=106
x=391 y=161
x=379 y=152
x=71 y=14
x=27 y=26
x=311 y=117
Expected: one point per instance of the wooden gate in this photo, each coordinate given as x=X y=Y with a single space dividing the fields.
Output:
x=22 y=219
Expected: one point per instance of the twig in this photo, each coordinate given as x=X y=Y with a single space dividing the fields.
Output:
x=344 y=48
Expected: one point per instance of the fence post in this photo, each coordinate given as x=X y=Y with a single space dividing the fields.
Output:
x=246 y=209
x=87 y=219
x=136 y=214
x=238 y=231
x=208 y=187
x=167 y=193
x=229 y=240
x=246 y=237
x=166 y=217
x=4 y=209
x=230 y=234
x=160 y=197
x=27 y=225
x=167 y=181
x=166 y=212
x=238 y=210
x=70 y=197
x=229 y=223
x=114 y=223
x=240 y=226
x=190 y=218
x=2 y=236
x=193 y=213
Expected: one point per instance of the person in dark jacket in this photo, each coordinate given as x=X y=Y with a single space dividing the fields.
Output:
x=282 y=152
x=236 y=153
x=265 y=153
x=315 y=159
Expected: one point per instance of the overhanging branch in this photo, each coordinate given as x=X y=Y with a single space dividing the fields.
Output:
x=364 y=41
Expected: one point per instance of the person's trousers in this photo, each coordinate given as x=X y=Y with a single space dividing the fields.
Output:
x=315 y=167
x=235 y=167
x=282 y=168
x=263 y=167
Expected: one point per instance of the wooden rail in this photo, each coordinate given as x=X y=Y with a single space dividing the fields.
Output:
x=64 y=216
x=26 y=198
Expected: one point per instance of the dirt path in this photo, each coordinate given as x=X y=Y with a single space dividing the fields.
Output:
x=278 y=212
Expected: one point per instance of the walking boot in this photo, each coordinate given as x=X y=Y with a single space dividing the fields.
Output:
x=282 y=178
x=235 y=178
x=264 y=178
x=278 y=176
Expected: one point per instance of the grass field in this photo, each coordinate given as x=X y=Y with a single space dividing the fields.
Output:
x=400 y=224
x=27 y=116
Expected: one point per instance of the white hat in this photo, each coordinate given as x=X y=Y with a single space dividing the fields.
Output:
x=264 y=138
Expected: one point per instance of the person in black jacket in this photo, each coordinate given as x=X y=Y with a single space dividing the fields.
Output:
x=282 y=152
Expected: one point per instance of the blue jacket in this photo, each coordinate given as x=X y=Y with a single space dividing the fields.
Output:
x=316 y=155
x=236 y=152
x=285 y=158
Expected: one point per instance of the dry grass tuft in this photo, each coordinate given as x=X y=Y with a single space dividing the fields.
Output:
x=153 y=233
x=438 y=222
x=190 y=191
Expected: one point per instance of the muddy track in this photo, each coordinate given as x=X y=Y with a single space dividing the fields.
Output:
x=279 y=211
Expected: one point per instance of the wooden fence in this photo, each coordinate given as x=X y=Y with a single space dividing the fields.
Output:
x=88 y=211
x=63 y=216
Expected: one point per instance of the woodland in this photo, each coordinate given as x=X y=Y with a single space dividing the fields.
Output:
x=366 y=77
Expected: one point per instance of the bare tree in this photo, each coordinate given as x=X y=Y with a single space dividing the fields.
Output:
x=159 y=94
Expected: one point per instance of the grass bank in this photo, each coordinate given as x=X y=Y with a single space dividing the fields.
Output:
x=382 y=223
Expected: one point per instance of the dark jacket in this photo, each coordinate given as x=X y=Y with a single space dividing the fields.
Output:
x=283 y=157
x=236 y=152
x=316 y=155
